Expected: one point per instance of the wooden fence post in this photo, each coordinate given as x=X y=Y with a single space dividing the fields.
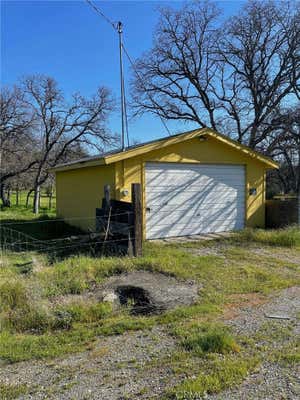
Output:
x=136 y=197
x=106 y=199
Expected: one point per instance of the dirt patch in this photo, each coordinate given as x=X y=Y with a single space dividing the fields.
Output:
x=240 y=302
x=250 y=317
x=216 y=251
x=143 y=291
x=148 y=292
x=67 y=299
x=286 y=254
x=205 y=237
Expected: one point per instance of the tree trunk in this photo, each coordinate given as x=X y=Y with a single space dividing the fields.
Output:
x=298 y=176
x=8 y=194
x=283 y=182
x=36 y=199
x=5 y=200
x=50 y=198
x=28 y=197
x=17 y=196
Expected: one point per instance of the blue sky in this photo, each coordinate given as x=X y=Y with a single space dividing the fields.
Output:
x=70 y=42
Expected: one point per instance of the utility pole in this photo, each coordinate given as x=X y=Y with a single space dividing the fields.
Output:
x=119 y=28
x=120 y=32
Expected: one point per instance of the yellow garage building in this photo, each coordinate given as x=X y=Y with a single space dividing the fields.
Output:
x=195 y=182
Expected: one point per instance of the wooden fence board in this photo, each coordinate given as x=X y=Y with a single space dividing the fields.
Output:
x=122 y=221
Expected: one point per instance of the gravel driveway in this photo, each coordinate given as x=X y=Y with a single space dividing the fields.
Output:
x=119 y=367
x=271 y=381
x=113 y=370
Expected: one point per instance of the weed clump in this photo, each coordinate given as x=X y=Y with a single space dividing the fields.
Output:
x=202 y=339
x=84 y=312
x=220 y=374
x=10 y=392
x=19 y=309
x=23 y=310
x=285 y=237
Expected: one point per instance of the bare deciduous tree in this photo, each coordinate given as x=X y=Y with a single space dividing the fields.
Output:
x=40 y=128
x=16 y=138
x=285 y=146
x=63 y=125
x=180 y=70
x=260 y=66
x=220 y=74
x=235 y=75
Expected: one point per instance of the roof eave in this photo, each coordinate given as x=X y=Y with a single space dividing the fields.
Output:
x=110 y=159
x=190 y=135
x=155 y=145
x=91 y=163
x=245 y=149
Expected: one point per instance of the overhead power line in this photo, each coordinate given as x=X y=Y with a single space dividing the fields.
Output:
x=116 y=27
x=98 y=11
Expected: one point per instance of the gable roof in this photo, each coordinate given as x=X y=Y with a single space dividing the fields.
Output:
x=133 y=151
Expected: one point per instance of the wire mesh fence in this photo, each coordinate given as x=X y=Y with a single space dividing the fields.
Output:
x=109 y=237
x=116 y=228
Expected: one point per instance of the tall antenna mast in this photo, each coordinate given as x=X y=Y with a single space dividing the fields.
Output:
x=120 y=31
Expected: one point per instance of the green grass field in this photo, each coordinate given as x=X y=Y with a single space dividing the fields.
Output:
x=44 y=226
x=21 y=212
x=33 y=326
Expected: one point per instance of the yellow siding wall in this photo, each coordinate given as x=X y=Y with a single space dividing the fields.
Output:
x=80 y=191
x=211 y=151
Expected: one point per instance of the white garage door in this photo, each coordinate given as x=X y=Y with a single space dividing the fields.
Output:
x=187 y=199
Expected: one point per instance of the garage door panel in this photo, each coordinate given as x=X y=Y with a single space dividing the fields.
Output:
x=198 y=227
x=178 y=230
x=180 y=175
x=193 y=168
x=201 y=218
x=193 y=185
x=195 y=188
x=192 y=209
x=154 y=175
x=194 y=199
x=209 y=194
x=199 y=224
x=185 y=199
x=197 y=180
